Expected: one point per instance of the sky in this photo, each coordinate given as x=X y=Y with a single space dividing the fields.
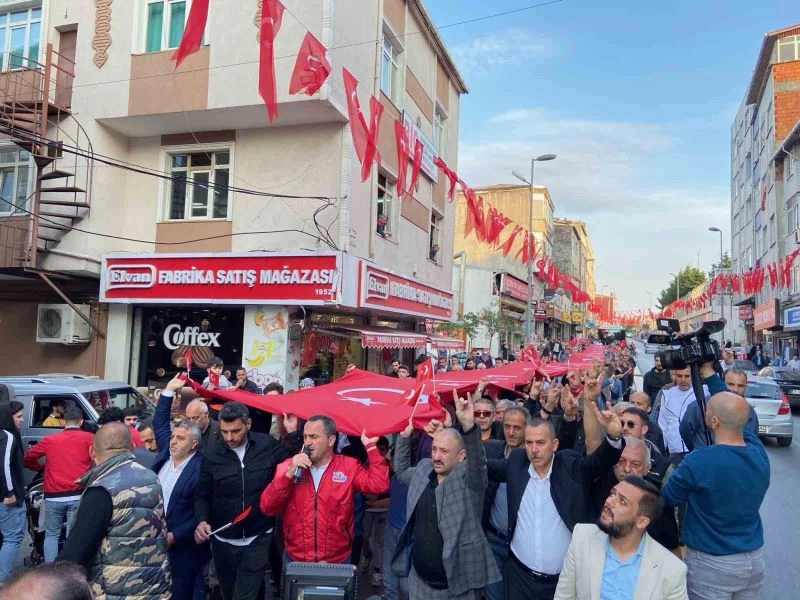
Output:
x=636 y=99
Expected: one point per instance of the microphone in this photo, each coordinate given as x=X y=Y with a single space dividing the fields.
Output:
x=298 y=474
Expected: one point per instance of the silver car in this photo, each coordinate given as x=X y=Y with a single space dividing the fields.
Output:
x=772 y=408
x=657 y=342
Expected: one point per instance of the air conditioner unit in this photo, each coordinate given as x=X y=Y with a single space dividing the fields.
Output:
x=59 y=324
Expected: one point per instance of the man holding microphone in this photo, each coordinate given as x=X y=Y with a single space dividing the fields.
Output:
x=315 y=489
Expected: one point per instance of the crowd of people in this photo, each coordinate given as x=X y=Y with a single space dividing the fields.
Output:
x=572 y=487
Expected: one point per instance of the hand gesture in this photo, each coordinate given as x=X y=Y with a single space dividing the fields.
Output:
x=366 y=440
x=609 y=420
x=553 y=398
x=464 y=411
x=433 y=427
x=290 y=422
x=536 y=388
x=406 y=433
x=569 y=404
x=574 y=379
x=592 y=387
x=175 y=383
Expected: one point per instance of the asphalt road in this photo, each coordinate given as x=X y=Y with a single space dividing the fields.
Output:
x=781 y=521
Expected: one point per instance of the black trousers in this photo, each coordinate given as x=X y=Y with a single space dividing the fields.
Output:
x=241 y=570
x=522 y=585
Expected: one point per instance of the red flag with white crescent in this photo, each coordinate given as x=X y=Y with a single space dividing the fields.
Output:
x=311 y=69
x=271 y=19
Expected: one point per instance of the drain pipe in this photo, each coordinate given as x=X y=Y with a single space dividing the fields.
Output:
x=71 y=304
x=462 y=277
x=66 y=254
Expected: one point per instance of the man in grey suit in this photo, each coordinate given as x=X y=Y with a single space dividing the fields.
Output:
x=442 y=548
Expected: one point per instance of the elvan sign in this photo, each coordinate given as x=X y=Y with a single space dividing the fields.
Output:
x=384 y=290
x=252 y=278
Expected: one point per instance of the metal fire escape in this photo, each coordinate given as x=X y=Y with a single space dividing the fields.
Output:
x=35 y=113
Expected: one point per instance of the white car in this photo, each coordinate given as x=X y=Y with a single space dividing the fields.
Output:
x=657 y=342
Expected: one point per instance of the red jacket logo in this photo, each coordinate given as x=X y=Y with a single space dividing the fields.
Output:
x=130 y=276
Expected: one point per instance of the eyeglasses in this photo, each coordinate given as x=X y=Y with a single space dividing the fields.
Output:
x=482 y=414
x=629 y=424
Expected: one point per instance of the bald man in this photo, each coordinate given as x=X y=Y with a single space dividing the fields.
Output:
x=197 y=413
x=122 y=513
x=49 y=581
x=723 y=487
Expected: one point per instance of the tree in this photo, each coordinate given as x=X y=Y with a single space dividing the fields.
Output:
x=726 y=261
x=467 y=326
x=689 y=278
x=495 y=320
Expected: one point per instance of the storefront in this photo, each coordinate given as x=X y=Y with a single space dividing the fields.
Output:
x=766 y=321
x=282 y=317
x=790 y=336
x=513 y=305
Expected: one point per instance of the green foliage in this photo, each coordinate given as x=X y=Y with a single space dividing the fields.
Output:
x=690 y=278
x=468 y=325
x=494 y=321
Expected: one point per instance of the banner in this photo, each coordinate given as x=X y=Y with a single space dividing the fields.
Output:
x=264 y=347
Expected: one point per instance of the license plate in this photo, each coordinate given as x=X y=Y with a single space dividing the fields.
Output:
x=795 y=392
x=763 y=429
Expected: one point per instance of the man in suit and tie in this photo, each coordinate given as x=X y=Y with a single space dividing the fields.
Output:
x=442 y=548
x=548 y=494
x=616 y=559
x=178 y=467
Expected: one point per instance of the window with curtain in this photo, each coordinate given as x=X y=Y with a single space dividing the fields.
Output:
x=199 y=188
x=20 y=38
x=165 y=22
x=15 y=168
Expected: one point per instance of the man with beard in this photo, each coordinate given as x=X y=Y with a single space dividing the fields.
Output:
x=655 y=379
x=617 y=558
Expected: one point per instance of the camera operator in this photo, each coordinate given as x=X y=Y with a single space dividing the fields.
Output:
x=723 y=487
x=692 y=429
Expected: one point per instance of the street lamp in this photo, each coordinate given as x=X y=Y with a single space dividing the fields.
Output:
x=529 y=312
x=719 y=231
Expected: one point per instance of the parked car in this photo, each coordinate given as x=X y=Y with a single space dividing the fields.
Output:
x=772 y=408
x=92 y=396
x=748 y=366
x=788 y=380
x=657 y=341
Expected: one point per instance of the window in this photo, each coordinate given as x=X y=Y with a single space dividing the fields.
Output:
x=440 y=130
x=164 y=24
x=387 y=225
x=434 y=241
x=390 y=69
x=43 y=408
x=199 y=189
x=748 y=258
x=772 y=231
x=20 y=37
x=15 y=168
x=788 y=167
x=793 y=223
x=788 y=49
x=796 y=279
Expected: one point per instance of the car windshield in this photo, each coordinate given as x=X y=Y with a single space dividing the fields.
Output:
x=762 y=391
x=658 y=339
x=745 y=365
x=787 y=375
x=121 y=398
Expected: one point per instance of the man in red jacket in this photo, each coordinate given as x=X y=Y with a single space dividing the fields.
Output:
x=66 y=459
x=318 y=519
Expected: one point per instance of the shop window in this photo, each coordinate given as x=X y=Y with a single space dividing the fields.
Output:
x=387 y=211
x=435 y=238
x=199 y=186
x=15 y=167
x=20 y=38
x=391 y=80
x=163 y=24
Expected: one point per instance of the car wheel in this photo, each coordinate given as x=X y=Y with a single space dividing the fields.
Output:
x=784 y=442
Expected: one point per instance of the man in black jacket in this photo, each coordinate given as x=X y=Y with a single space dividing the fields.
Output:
x=548 y=493
x=655 y=379
x=236 y=469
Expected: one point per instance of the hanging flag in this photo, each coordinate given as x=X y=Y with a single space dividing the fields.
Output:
x=772 y=269
x=271 y=19
x=365 y=137
x=193 y=32
x=451 y=175
x=403 y=155
x=786 y=269
x=496 y=223
x=311 y=69
x=506 y=247
x=416 y=166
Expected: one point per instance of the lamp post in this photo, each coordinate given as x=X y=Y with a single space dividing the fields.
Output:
x=719 y=231
x=529 y=312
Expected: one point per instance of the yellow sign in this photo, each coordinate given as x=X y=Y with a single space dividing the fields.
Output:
x=577 y=318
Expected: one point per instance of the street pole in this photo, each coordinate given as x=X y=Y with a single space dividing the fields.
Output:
x=529 y=312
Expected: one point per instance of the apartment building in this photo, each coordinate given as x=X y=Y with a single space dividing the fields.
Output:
x=762 y=229
x=489 y=279
x=256 y=241
x=574 y=256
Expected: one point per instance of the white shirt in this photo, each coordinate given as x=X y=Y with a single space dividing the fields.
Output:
x=541 y=539
x=674 y=403
x=168 y=476
x=794 y=365
x=317 y=473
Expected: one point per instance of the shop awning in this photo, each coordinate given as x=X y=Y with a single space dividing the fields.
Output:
x=443 y=342
x=385 y=337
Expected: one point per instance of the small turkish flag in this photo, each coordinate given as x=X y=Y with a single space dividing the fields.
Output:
x=213 y=378
x=425 y=371
x=188 y=360
x=311 y=69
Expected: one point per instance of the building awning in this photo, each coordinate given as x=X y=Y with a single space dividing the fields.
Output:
x=443 y=342
x=386 y=337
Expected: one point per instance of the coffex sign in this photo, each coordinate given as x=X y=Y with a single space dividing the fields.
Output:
x=174 y=338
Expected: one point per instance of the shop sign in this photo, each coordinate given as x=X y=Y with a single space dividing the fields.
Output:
x=302 y=278
x=265 y=344
x=390 y=292
x=766 y=316
x=174 y=338
x=745 y=313
x=791 y=318
x=577 y=317
x=516 y=288
x=429 y=152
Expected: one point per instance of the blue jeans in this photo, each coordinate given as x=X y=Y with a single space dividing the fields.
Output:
x=732 y=577
x=497 y=590
x=391 y=582
x=54 y=515
x=12 y=526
